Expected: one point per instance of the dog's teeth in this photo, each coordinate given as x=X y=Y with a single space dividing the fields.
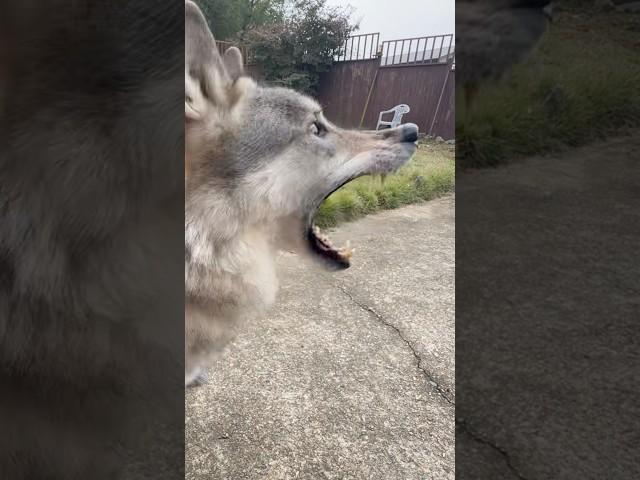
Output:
x=346 y=251
x=316 y=230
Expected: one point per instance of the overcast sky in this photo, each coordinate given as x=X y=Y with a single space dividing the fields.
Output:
x=396 y=19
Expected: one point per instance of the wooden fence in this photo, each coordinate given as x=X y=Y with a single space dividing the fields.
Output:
x=419 y=72
x=369 y=76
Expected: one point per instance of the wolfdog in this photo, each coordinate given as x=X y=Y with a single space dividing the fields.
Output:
x=259 y=161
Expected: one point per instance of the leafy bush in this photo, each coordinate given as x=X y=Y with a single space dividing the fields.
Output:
x=228 y=18
x=295 y=52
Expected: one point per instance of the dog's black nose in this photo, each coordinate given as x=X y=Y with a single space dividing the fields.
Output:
x=409 y=132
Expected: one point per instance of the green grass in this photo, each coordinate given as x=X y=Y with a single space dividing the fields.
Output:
x=582 y=84
x=430 y=173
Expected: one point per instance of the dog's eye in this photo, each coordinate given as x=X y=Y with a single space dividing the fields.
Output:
x=318 y=129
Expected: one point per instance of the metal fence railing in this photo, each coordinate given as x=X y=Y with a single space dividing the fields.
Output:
x=418 y=51
x=406 y=51
x=359 y=47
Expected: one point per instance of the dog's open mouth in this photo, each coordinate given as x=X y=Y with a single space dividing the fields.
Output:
x=337 y=258
x=385 y=160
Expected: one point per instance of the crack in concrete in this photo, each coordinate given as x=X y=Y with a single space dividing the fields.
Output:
x=464 y=427
x=430 y=380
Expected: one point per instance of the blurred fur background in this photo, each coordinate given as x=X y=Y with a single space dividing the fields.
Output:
x=91 y=239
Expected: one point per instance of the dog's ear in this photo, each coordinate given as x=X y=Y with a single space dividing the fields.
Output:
x=233 y=63
x=205 y=74
x=211 y=81
x=213 y=86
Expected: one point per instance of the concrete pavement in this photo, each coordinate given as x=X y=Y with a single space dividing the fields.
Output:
x=351 y=375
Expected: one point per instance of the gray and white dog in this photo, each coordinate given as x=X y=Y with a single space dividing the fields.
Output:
x=258 y=163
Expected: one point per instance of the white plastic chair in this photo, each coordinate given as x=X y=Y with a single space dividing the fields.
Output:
x=398 y=111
